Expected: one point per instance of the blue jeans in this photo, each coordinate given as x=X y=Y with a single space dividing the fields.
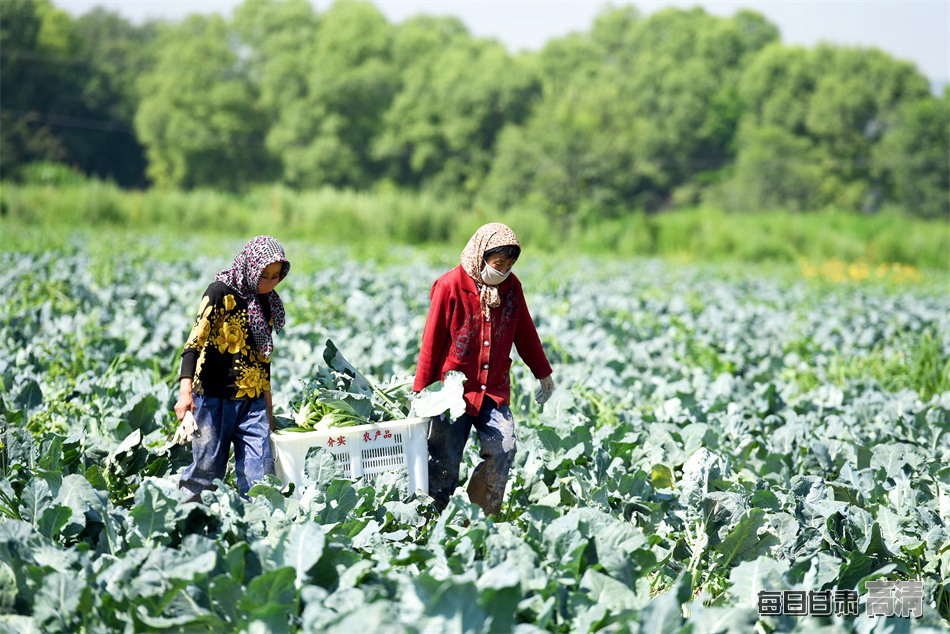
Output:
x=221 y=422
x=496 y=438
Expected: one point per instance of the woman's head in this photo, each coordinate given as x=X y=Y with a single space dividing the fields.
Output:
x=258 y=268
x=271 y=276
x=502 y=258
x=488 y=258
x=494 y=245
x=256 y=271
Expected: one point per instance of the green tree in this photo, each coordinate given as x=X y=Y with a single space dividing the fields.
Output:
x=914 y=158
x=657 y=114
x=777 y=170
x=199 y=117
x=67 y=90
x=279 y=36
x=115 y=54
x=575 y=156
x=828 y=107
x=29 y=79
x=442 y=126
x=328 y=96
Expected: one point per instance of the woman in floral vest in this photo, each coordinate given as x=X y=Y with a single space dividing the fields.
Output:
x=225 y=369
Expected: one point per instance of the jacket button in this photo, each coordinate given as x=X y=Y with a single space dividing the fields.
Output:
x=485 y=367
x=486 y=343
x=483 y=387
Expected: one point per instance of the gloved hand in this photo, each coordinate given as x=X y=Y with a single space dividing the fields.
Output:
x=545 y=390
x=186 y=430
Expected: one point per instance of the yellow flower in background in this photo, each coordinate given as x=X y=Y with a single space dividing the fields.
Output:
x=251 y=382
x=231 y=338
x=229 y=302
x=859 y=271
x=838 y=271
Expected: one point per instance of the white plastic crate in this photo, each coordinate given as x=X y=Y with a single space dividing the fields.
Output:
x=364 y=450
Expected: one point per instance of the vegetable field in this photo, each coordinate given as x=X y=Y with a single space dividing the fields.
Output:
x=715 y=432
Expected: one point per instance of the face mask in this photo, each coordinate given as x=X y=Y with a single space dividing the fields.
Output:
x=493 y=277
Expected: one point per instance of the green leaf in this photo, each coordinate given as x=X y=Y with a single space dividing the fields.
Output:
x=35 y=498
x=270 y=493
x=320 y=467
x=405 y=514
x=500 y=593
x=30 y=396
x=890 y=457
x=662 y=615
x=270 y=595
x=96 y=479
x=8 y=589
x=763 y=573
x=226 y=594
x=449 y=604
x=700 y=472
x=335 y=361
x=606 y=591
x=154 y=513
x=61 y=602
x=623 y=551
x=303 y=549
x=765 y=499
x=855 y=568
x=340 y=499
x=53 y=520
x=742 y=540
x=891 y=528
x=78 y=495
x=722 y=620
x=661 y=477
x=128 y=444
x=142 y=414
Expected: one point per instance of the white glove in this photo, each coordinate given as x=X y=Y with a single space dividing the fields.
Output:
x=186 y=430
x=545 y=390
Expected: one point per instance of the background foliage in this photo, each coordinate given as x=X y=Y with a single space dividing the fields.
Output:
x=716 y=431
x=636 y=113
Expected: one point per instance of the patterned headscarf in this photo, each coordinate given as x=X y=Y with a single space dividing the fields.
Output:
x=243 y=277
x=489 y=236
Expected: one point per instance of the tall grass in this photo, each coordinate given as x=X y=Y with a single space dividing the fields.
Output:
x=366 y=220
x=919 y=364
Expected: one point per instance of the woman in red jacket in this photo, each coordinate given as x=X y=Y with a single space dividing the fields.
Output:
x=477 y=312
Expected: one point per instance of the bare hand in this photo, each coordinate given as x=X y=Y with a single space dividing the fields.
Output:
x=186 y=403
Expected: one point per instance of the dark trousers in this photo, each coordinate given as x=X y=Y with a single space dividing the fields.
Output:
x=221 y=423
x=496 y=438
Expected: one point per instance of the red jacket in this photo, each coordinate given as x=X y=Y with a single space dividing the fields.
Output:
x=458 y=336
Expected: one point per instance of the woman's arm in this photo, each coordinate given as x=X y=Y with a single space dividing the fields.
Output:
x=530 y=348
x=186 y=401
x=529 y=344
x=434 y=337
x=189 y=357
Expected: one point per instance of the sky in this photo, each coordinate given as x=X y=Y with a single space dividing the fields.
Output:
x=914 y=30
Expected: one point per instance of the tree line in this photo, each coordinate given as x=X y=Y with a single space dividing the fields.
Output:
x=673 y=109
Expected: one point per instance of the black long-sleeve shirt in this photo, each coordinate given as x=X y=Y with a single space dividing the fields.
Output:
x=220 y=354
